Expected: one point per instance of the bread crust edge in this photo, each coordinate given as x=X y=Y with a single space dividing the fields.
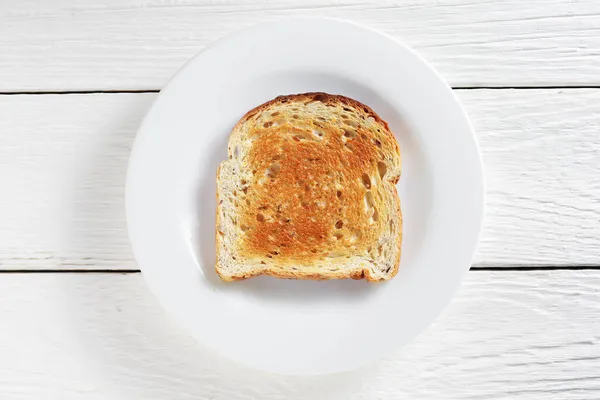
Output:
x=356 y=274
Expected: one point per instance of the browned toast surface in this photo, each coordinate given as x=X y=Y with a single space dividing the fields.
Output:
x=309 y=192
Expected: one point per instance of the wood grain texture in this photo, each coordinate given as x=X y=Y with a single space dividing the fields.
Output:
x=507 y=335
x=63 y=161
x=541 y=152
x=138 y=44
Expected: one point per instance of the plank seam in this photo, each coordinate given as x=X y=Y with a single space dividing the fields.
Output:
x=134 y=91
x=70 y=271
x=498 y=268
x=547 y=267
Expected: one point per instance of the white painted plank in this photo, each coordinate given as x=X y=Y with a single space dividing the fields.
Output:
x=507 y=335
x=139 y=44
x=63 y=161
x=541 y=151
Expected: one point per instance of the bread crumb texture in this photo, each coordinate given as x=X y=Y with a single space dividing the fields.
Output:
x=309 y=192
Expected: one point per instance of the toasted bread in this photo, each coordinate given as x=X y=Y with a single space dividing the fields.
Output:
x=309 y=192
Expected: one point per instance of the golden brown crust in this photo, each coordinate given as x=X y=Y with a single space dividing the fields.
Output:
x=317 y=96
x=310 y=192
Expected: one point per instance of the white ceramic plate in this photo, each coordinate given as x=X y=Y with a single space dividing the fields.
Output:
x=303 y=327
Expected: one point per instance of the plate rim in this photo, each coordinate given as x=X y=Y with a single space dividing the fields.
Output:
x=265 y=26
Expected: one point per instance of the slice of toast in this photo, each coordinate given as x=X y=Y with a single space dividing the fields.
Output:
x=309 y=192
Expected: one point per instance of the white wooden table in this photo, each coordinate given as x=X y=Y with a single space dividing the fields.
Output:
x=76 y=320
